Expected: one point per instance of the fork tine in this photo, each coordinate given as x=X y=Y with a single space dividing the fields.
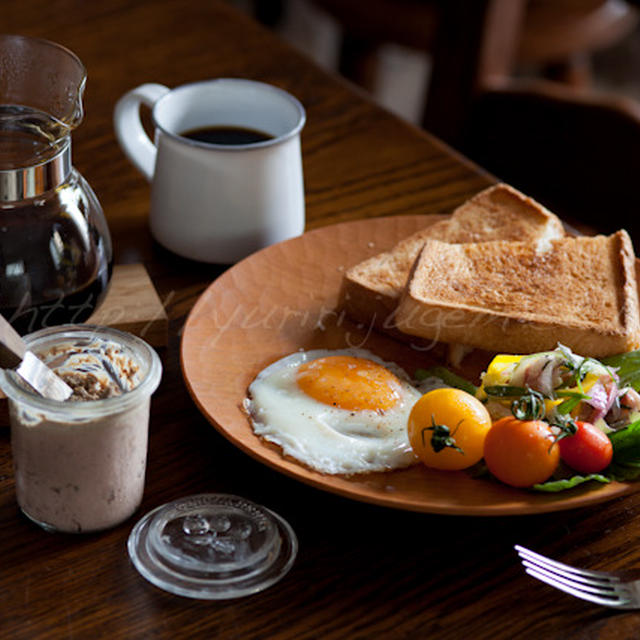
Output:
x=601 y=582
x=624 y=603
x=594 y=586
x=585 y=575
x=602 y=590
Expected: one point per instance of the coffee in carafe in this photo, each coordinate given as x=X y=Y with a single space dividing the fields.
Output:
x=55 y=247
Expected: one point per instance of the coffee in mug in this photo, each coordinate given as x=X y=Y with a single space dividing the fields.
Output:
x=222 y=134
x=225 y=166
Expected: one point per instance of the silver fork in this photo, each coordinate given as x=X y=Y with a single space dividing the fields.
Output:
x=614 y=590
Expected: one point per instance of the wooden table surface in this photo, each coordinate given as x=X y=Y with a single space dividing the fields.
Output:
x=362 y=571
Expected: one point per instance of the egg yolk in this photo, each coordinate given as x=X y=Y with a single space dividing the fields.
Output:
x=350 y=383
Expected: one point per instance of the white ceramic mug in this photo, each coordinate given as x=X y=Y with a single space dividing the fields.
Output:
x=217 y=202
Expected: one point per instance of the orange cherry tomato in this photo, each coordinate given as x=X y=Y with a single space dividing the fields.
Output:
x=521 y=453
x=589 y=450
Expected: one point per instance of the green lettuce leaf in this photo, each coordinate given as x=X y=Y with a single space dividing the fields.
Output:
x=554 y=486
x=628 y=368
x=626 y=453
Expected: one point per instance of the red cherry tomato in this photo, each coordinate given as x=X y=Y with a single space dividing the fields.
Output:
x=589 y=450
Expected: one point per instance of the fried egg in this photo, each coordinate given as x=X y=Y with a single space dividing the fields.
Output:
x=342 y=411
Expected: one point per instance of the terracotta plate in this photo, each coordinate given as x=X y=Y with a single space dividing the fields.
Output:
x=283 y=299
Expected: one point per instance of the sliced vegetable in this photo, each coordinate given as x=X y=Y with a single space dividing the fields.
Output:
x=567 y=413
x=540 y=371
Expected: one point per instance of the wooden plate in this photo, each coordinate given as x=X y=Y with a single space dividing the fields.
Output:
x=283 y=299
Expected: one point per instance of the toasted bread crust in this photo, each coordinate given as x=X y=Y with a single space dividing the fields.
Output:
x=501 y=213
x=371 y=289
x=519 y=298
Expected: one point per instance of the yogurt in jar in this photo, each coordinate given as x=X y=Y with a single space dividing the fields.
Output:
x=80 y=464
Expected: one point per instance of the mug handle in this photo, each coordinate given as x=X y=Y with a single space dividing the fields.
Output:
x=131 y=135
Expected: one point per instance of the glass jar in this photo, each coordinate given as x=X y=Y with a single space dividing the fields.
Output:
x=80 y=466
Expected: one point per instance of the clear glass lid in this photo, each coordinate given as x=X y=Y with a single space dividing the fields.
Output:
x=212 y=546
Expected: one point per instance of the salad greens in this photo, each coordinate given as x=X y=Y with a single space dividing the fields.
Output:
x=562 y=484
x=623 y=368
x=448 y=377
x=627 y=366
x=626 y=453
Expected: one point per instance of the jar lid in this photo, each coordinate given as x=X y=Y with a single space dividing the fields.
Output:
x=212 y=547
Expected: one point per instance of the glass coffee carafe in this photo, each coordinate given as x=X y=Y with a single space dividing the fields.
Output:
x=55 y=248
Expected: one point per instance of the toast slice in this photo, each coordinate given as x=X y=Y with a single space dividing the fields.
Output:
x=371 y=289
x=517 y=297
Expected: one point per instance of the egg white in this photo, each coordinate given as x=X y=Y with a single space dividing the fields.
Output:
x=327 y=438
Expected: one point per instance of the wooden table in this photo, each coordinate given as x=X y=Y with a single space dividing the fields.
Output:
x=362 y=571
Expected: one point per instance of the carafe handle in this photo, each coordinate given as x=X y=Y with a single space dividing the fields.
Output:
x=129 y=130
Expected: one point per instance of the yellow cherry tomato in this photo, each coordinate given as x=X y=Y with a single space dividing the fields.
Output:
x=447 y=429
